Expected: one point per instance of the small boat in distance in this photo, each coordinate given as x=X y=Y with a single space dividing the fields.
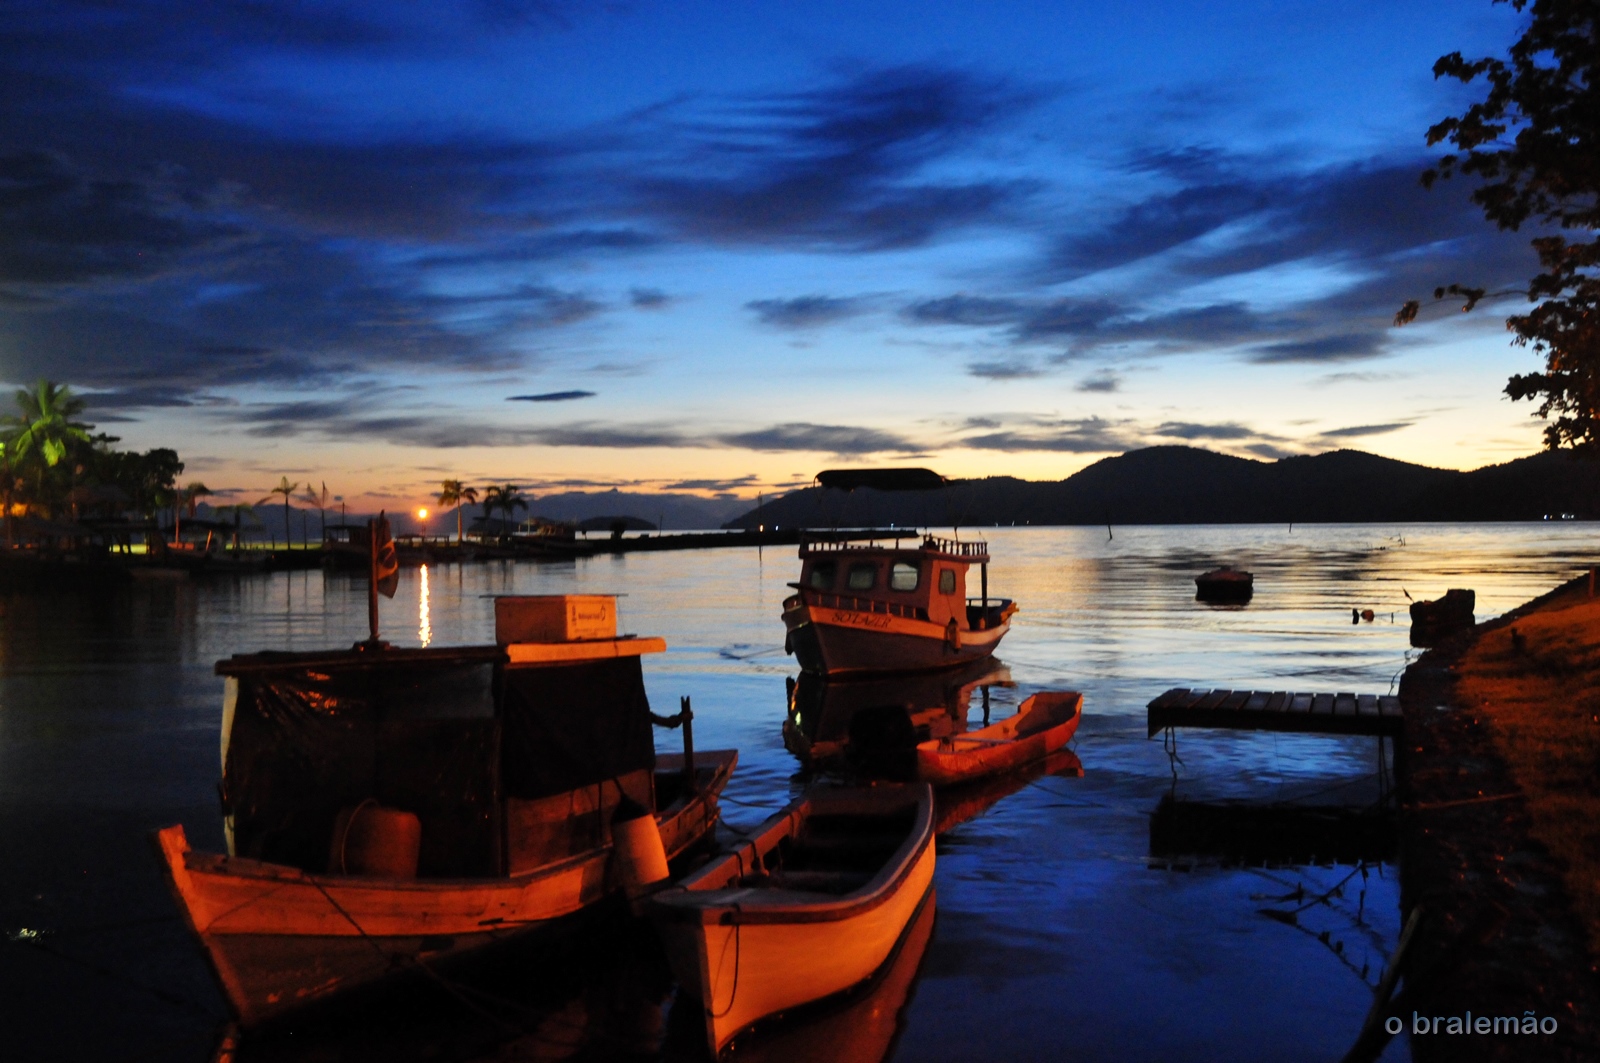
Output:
x=1225 y=584
x=864 y=609
x=812 y=906
x=1042 y=724
x=390 y=809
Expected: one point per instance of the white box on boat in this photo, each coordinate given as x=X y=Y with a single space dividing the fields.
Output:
x=554 y=617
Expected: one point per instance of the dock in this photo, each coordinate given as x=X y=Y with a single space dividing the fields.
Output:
x=1276 y=710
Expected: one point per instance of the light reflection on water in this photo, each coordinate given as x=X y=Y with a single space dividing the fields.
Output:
x=1050 y=914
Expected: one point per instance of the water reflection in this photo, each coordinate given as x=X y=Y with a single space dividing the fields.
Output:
x=424 y=625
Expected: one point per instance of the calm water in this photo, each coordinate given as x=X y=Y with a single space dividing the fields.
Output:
x=1058 y=934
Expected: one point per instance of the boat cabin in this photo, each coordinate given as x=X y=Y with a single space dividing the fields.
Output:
x=927 y=581
x=510 y=756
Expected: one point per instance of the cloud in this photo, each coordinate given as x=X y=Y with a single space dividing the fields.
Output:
x=1103 y=381
x=552 y=396
x=831 y=439
x=648 y=298
x=1365 y=430
x=1007 y=369
x=1089 y=435
x=963 y=309
x=1342 y=347
x=805 y=311
x=1187 y=430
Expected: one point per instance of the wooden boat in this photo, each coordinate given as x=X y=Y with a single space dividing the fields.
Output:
x=1225 y=584
x=812 y=906
x=864 y=608
x=1042 y=724
x=1454 y=610
x=390 y=809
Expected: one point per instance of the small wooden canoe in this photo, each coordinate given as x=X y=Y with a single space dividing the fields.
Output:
x=1043 y=724
x=1453 y=610
x=813 y=905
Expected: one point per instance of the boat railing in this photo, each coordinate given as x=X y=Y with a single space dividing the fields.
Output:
x=868 y=605
x=973 y=549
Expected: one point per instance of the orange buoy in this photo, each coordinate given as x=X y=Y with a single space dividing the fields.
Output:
x=376 y=842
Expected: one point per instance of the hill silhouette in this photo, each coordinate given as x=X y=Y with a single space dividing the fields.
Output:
x=1188 y=485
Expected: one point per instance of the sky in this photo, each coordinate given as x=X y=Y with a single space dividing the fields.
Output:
x=717 y=247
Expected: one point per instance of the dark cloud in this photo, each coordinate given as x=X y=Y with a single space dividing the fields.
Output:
x=1365 y=430
x=827 y=438
x=837 y=167
x=1103 y=381
x=726 y=485
x=552 y=396
x=1343 y=347
x=1189 y=430
x=964 y=310
x=1005 y=369
x=648 y=298
x=1089 y=435
x=805 y=311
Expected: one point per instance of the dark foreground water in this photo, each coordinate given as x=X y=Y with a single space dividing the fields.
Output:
x=1063 y=931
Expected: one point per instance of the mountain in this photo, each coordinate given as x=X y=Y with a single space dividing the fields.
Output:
x=1187 y=485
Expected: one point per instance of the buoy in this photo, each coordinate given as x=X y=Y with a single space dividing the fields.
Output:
x=1367 y=614
x=639 y=860
x=375 y=842
x=952 y=635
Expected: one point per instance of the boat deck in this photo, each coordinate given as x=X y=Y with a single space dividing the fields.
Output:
x=1262 y=710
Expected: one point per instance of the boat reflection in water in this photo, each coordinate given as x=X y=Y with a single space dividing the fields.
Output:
x=872 y=726
x=955 y=805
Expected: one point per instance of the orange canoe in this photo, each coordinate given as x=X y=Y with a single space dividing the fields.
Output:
x=1043 y=724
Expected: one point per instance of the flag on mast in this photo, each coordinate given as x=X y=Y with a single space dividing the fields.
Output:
x=385 y=564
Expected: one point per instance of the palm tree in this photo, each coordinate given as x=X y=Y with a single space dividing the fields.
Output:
x=287 y=490
x=321 y=502
x=188 y=499
x=454 y=493
x=504 y=497
x=45 y=425
x=239 y=511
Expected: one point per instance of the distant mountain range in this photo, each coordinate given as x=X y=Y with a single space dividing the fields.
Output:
x=1187 y=485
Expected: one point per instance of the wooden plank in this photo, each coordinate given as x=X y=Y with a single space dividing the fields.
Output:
x=1367 y=705
x=1344 y=704
x=1278 y=701
x=1212 y=700
x=1257 y=702
x=1235 y=701
x=600 y=649
x=1389 y=705
x=1193 y=698
x=1172 y=697
x=1299 y=703
x=1322 y=704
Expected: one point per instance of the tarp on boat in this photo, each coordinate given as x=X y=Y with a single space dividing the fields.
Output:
x=442 y=734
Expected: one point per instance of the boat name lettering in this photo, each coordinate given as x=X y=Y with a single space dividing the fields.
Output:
x=873 y=620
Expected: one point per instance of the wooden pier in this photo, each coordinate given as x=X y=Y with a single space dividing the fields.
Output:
x=1279 y=710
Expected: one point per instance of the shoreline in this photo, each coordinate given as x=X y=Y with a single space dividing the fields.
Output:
x=1501 y=933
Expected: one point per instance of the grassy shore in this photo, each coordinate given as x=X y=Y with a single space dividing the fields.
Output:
x=1501 y=830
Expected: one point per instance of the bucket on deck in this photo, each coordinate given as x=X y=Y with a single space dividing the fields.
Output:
x=374 y=841
x=639 y=859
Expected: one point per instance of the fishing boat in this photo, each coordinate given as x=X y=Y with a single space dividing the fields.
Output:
x=388 y=810
x=1043 y=723
x=865 y=608
x=1454 y=610
x=1225 y=584
x=813 y=905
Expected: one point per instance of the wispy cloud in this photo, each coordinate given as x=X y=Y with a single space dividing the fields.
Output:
x=806 y=311
x=552 y=396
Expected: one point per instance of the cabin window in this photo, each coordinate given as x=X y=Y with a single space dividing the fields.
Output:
x=902 y=576
x=822 y=574
x=947 y=581
x=863 y=575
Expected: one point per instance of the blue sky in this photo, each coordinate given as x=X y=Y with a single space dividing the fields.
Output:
x=722 y=246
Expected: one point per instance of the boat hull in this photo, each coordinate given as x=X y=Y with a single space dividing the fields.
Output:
x=278 y=938
x=992 y=750
x=750 y=954
x=850 y=642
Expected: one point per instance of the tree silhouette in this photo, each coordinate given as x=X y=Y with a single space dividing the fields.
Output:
x=312 y=497
x=455 y=493
x=1546 y=96
x=45 y=426
x=506 y=498
x=287 y=490
x=188 y=500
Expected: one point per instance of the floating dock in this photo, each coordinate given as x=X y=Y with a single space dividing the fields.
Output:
x=1276 y=710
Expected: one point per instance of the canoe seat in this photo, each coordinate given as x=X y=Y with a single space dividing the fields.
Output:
x=834 y=882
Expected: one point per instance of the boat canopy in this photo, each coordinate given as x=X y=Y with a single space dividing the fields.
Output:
x=881 y=479
x=444 y=734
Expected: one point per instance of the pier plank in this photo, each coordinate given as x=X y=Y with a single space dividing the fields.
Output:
x=1340 y=713
x=1322 y=704
x=1277 y=701
x=1367 y=705
x=1235 y=700
x=1212 y=700
x=1344 y=704
x=1299 y=702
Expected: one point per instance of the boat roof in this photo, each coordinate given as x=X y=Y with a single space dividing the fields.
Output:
x=881 y=479
x=966 y=551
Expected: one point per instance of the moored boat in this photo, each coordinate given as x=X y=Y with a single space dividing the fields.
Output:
x=1042 y=724
x=862 y=609
x=813 y=905
x=1225 y=584
x=386 y=809
x=1454 y=610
